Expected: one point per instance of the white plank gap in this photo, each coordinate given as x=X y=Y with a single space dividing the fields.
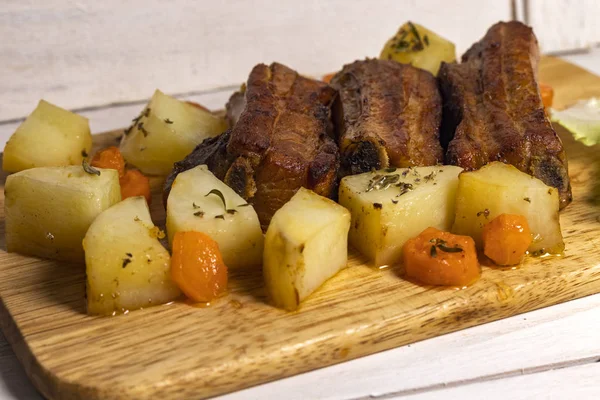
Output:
x=80 y=54
x=108 y=118
x=579 y=382
x=564 y=335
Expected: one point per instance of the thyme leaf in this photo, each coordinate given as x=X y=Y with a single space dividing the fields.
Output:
x=432 y=251
x=217 y=192
x=89 y=169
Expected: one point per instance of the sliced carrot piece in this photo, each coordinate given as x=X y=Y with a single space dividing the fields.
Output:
x=506 y=239
x=327 y=78
x=547 y=94
x=197 y=266
x=110 y=158
x=441 y=258
x=134 y=183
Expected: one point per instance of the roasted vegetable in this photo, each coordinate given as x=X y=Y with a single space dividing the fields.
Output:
x=48 y=210
x=506 y=239
x=109 y=158
x=199 y=202
x=126 y=266
x=305 y=245
x=134 y=183
x=49 y=137
x=547 y=94
x=197 y=266
x=441 y=258
x=417 y=45
x=499 y=188
x=392 y=205
x=165 y=132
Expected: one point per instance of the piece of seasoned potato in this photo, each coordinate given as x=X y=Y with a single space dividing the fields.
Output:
x=417 y=45
x=49 y=209
x=49 y=137
x=200 y=202
x=499 y=188
x=126 y=266
x=306 y=244
x=166 y=131
x=392 y=205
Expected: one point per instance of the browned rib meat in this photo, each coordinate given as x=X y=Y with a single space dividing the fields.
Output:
x=494 y=112
x=212 y=152
x=281 y=142
x=386 y=114
x=236 y=105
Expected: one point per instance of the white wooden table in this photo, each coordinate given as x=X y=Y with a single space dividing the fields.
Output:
x=553 y=353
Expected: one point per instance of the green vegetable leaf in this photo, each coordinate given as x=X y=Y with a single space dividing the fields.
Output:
x=582 y=119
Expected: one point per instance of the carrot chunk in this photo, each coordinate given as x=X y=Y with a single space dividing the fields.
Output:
x=441 y=258
x=197 y=266
x=134 y=183
x=110 y=158
x=506 y=239
x=547 y=94
x=327 y=78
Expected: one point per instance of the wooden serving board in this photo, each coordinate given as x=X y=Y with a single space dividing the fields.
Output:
x=180 y=351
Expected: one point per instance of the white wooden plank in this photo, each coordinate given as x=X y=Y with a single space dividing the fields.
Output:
x=564 y=25
x=580 y=382
x=81 y=54
x=106 y=119
x=560 y=335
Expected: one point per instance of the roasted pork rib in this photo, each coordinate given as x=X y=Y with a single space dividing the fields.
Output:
x=493 y=110
x=386 y=114
x=279 y=143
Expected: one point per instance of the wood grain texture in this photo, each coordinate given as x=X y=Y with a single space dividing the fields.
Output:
x=178 y=351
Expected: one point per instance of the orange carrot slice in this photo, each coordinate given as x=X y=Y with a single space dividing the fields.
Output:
x=547 y=94
x=134 y=183
x=110 y=158
x=197 y=266
x=441 y=258
x=506 y=239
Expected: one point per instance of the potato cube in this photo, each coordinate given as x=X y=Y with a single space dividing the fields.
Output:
x=48 y=210
x=306 y=244
x=390 y=206
x=49 y=137
x=417 y=45
x=499 y=188
x=165 y=132
x=195 y=204
x=126 y=266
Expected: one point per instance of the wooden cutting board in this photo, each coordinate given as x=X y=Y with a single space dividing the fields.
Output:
x=180 y=351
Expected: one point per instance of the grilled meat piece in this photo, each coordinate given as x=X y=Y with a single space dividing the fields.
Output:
x=212 y=152
x=236 y=105
x=281 y=140
x=386 y=114
x=493 y=110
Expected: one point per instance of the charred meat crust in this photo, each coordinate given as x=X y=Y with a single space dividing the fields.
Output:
x=386 y=114
x=281 y=141
x=493 y=110
x=212 y=152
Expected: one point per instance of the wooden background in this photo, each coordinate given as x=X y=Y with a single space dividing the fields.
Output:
x=82 y=54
